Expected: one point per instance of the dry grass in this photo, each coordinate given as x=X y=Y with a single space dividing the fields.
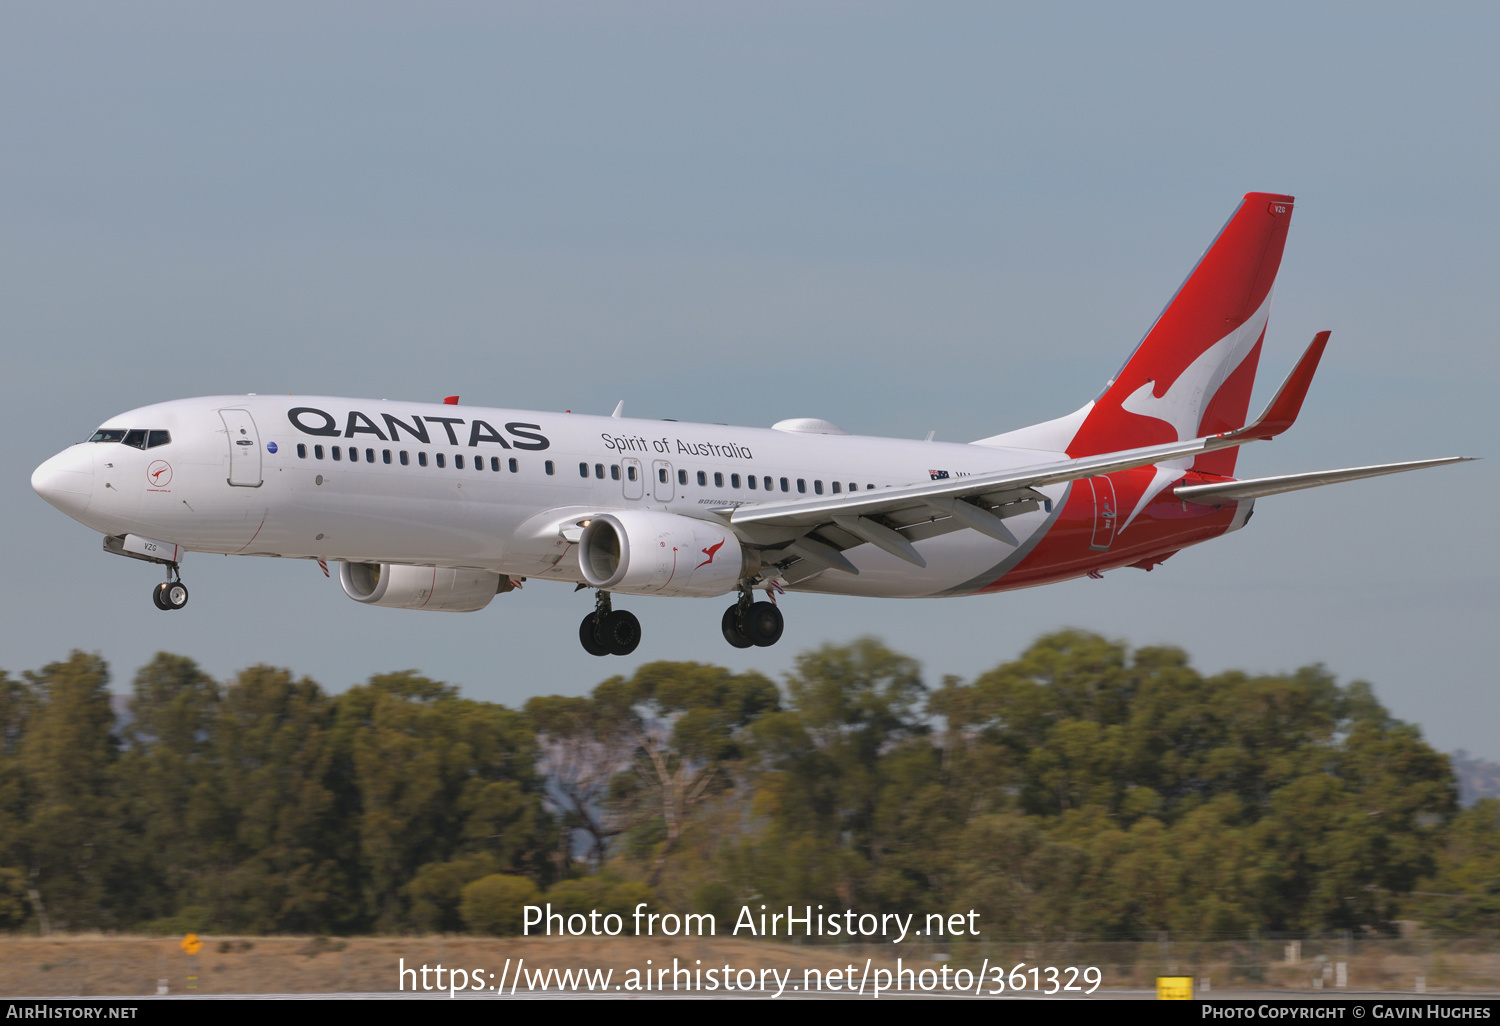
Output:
x=96 y=965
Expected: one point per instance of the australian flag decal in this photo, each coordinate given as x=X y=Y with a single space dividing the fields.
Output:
x=938 y=475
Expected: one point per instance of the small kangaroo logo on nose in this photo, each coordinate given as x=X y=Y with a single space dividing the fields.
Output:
x=710 y=552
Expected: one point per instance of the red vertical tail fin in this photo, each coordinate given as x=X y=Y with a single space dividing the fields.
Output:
x=1193 y=372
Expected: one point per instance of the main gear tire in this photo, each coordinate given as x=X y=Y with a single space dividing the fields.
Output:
x=620 y=632
x=731 y=625
x=589 y=636
x=764 y=624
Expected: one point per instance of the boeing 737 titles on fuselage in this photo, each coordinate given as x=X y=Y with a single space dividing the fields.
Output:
x=438 y=507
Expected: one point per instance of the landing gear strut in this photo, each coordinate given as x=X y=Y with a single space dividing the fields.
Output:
x=172 y=593
x=608 y=631
x=748 y=623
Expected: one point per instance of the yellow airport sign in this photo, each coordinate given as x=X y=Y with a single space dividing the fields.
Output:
x=191 y=944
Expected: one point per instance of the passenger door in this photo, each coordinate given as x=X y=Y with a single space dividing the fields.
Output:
x=635 y=479
x=662 y=487
x=244 y=448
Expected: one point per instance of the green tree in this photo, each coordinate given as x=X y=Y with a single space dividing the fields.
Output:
x=444 y=791
x=280 y=857
x=166 y=782
x=67 y=756
x=1462 y=896
x=493 y=904
x=843 y=778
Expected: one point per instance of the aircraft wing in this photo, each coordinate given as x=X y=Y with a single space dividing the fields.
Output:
x=892 y=518
x=1254 y=488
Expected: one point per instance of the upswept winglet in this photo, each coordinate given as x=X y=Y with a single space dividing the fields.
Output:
x=1281 y=412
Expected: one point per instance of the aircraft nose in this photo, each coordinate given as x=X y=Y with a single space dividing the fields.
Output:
x=67 y=480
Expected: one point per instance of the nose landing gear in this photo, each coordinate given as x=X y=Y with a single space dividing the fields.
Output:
x=608 y=631
x=748 y=623
x=171 y=594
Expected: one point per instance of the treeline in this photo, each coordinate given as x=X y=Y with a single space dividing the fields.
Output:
x=1082 y=790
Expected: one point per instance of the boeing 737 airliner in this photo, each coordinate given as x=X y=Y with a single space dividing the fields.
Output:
x=442 y=507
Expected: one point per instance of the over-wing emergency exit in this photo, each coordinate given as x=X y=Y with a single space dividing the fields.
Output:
x=442 y=507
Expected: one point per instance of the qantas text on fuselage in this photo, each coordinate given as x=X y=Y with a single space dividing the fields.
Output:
x=442 y=507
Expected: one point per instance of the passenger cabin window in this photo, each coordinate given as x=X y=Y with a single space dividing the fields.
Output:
x=718 y=480
x=768 y=483
x=682 y=477
x=317 y=452
x=547 y=466
x=495 y=464
x=421 y=459
x=801 y=485
x=108 y=435
x=630 y=473
x=439 y=458
x=750 y=480
x=784 y=486
x=135 y=439
x=514 y=466
x=479 y=463
x=583 y=470
x=702 y=478
x=385 y=455
x=338 y=453
x=155 y=438
x=614 y=472
x=734 y=480
x=661 y=474
x=599 y=471
x=405 y=458
x=836 y=487
x=818 y=487
x=458 y=461
x=301 y=451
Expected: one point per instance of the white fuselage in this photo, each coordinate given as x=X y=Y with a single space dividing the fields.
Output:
x=243 y=476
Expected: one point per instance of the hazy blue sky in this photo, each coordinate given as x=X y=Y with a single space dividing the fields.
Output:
x=898 y=218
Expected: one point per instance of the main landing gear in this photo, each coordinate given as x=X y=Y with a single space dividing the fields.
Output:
x=608 y=631
x=170 y=594
x=749 y=623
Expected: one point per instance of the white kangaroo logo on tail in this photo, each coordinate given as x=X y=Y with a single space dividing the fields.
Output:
x=1186 y=398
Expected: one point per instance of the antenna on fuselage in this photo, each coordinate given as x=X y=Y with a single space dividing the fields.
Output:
x=619 y=410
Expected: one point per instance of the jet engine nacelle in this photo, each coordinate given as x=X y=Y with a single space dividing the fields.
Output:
x=643 y=552
x=421 y=587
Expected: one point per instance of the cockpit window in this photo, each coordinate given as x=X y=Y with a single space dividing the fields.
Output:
x=155 y=438
x=108 y=435
x=135 y=439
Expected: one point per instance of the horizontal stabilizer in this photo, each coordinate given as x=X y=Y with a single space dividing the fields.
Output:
x=1234 y=491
